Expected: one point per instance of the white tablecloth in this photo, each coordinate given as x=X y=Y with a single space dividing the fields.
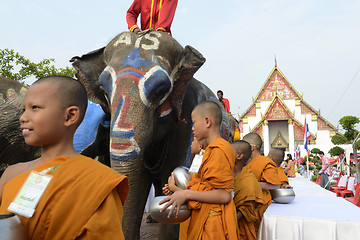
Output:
x=314 y=214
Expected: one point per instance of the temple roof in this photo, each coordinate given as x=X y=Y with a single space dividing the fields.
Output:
x=277 y=83
x=278 y=110
x=277 y=88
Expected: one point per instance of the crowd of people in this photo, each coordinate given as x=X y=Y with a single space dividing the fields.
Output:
x=228 y=193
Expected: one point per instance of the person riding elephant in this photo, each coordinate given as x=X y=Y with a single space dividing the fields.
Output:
x=145 y=83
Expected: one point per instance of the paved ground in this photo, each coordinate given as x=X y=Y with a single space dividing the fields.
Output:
x=149 y=231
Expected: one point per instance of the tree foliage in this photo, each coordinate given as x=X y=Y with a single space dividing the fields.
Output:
x=10 y=60
x=348 y=124
x=336 y=151
x=338 y=139
x=315 y=151
x=357 y=145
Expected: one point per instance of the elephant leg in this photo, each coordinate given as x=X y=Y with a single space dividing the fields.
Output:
x=139 y=186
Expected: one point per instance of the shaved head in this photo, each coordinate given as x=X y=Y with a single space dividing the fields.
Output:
x=210 y=109
x=242 y=147
x=70 y=92
x=277 y=155
x=254 y=139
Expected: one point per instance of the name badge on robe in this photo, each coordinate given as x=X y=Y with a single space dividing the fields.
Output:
x=29 y=195
x=196 y=163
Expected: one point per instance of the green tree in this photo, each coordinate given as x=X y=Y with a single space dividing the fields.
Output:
x=357 y=145
x=9 y=60
x=338 y=139
x=336 y=151
x=348 y=124
x=315 y=151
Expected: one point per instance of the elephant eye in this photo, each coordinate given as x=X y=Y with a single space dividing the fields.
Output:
x=106 y=79
x=156 y=85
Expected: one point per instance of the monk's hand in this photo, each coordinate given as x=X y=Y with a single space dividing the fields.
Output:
x=171 y=182
x=285 y=185
x=136 y=30
x=166 y=190
x=177 y=199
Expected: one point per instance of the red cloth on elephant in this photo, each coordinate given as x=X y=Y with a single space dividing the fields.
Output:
x=156 y=14
x=248 y=199
x=214 y=221
x=83 y=200
x=282 y=176
x=264 y=170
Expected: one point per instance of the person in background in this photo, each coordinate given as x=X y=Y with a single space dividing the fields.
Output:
x=248 y=197
x=290 y=166
x=302 y=169
x=223 y=101
x=155 y=14
x=263 y=168
x=277 y=155
x=325 y=171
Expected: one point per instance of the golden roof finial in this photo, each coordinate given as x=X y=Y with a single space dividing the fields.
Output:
x=275 y=60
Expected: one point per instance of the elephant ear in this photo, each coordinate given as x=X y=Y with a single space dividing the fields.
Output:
x=190 y=61
x=88 y=69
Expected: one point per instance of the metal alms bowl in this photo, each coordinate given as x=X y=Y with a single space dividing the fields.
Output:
x=282 y=195
x=182 y=177
x=161 y=217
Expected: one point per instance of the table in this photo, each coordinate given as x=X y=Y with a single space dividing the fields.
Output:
x=314 y=214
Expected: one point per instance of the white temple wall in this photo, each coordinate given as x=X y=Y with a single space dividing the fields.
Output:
x=264 y=106
x=323 y=137
x=290 y=104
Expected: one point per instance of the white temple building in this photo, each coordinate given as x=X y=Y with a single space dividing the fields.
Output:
x=278 y=114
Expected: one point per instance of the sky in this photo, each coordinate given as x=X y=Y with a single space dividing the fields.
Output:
x=316 y=43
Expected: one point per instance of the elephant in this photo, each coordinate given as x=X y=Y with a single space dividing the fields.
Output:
x=13 y=148
x=144 y=83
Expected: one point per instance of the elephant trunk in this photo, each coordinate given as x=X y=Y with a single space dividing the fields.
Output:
x=139 y=184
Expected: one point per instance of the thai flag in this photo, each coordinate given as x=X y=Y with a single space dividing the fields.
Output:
x=298 y=152
x=306 y=135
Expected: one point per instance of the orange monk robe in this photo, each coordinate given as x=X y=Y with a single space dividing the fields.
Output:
x=184 y=226
x=248 y=199
x=83 y=200
x=214 y=221
x=282 y=176
x=264 y=170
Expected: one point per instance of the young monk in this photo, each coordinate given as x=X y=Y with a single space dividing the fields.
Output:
x=277 y=155
x=263 y=168
x=208 y=194
x=84 y=198
x=196 y=148
x=248 y=196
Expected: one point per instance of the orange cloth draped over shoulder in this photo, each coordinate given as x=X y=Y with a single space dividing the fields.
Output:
x=214 y=221
x=264 y=170
x=84 y=200
x=282 y=176
x=248 y=199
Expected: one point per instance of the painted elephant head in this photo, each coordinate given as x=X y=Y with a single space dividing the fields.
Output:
x=134 y=78
x=141 y=80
